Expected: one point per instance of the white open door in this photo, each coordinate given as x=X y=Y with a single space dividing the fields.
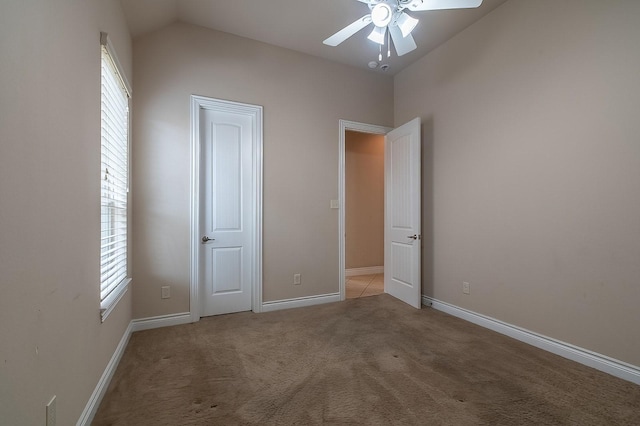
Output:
x=402 y=234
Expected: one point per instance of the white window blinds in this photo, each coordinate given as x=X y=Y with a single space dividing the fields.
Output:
x=114 y=179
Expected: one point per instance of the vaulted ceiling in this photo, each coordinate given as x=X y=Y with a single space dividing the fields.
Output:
x=301 y=25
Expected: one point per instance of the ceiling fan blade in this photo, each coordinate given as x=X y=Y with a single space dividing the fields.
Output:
x=403 y=45
x=419 y=5
x=348 y=31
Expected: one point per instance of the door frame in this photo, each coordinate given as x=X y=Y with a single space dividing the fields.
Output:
x=199 y=103
x=357 y=127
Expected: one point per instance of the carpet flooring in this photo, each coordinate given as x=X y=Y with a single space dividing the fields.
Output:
x=373 y=361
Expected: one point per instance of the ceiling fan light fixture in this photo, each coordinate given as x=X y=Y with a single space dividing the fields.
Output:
x=381 y=14
x=377 y=35
x=406 y=24
x=389 y=14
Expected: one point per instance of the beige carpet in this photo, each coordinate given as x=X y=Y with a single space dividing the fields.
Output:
x=372 y=361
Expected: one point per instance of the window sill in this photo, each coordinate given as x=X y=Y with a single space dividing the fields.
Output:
x=112 y=300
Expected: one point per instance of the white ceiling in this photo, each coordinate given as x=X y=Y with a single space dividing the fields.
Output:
x=301 y=25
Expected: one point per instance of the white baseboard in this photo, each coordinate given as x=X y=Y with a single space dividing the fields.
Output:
x=161 y=321
x=369 y=270
x=300 y=302
x=91 y=408
x=586 y=357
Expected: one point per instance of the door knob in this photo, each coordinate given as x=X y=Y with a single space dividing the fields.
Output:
x=205 y=239
x=413 y=237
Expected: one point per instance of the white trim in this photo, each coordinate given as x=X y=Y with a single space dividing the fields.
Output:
x=110 y=302
x=194 y=281
x=161 y=321
x=106 y=42
x=586 y=357
x=300 y=302
x=369 y=270
x=198 y=103
x=93 y=404
x=257 y=208
x=358 y=127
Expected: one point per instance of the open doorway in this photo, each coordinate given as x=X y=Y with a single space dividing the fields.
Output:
x=402 y=207
x=361 y=223
x=364 y=214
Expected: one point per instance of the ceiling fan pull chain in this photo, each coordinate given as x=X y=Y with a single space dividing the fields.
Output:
x=389 y=44
x=380 y=54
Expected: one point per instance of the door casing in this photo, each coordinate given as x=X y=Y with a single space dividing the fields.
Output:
x=198 y=103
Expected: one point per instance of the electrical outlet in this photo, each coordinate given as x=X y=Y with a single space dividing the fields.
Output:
x=465 y=288
x=51 y=412
x=166 y=292
x=296 y=279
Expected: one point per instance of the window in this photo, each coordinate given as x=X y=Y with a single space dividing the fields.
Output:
x=114 y=180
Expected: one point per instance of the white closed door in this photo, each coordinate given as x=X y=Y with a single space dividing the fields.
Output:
x=402 y=234
x=226 y=219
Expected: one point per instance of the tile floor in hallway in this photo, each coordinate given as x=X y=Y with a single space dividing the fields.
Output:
x=364 y=285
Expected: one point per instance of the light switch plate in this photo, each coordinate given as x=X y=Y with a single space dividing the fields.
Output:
x=335 y=204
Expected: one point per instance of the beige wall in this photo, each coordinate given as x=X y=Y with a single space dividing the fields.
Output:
x=301 y=95
x=532 y=169
x=51 y=338
x=364 y=200
x=531 y=176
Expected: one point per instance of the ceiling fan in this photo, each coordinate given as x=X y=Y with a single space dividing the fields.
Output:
x=391 y=15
